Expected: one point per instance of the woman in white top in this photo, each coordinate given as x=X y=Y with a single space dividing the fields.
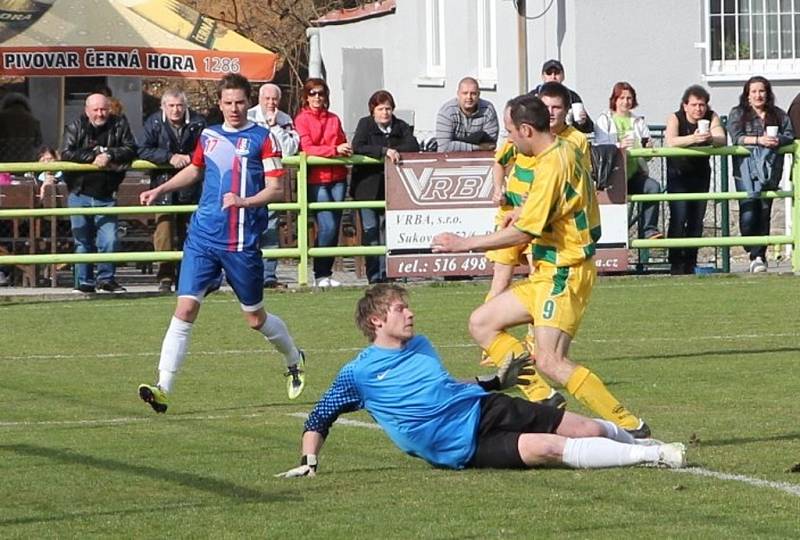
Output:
x=619 y=126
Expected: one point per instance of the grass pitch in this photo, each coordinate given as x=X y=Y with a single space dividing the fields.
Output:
x=712 y=362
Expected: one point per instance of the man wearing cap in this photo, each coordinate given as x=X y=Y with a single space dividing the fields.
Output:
x=553 y=71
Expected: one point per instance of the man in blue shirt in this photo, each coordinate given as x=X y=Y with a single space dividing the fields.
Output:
x=239 y=163
x=400 y=380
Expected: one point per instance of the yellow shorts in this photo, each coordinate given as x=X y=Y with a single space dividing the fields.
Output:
x=510 y=256
x=557 y=296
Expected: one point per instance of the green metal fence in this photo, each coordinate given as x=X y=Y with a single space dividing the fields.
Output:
x=302 y=207
x=725 y=241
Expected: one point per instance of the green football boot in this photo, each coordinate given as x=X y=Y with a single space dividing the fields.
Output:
x=155 y=396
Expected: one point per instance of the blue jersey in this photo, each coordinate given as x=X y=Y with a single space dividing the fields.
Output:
x=237 y=161
x=419 y=405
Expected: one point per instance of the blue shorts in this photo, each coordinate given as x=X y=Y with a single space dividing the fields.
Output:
x=202 y=267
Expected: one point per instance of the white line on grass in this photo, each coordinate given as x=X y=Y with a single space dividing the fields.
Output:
x=786 y=487
x=342 y=421
x=791 y=489
x=232 y=352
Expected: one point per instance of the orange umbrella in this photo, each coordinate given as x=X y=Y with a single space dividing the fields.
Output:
x=145 y=38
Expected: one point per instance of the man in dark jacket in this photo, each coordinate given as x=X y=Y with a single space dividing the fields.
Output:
x=170 y=136
x=98 y=138
x=553 y=71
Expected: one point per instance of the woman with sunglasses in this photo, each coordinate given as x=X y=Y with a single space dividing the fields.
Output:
x=321 y=135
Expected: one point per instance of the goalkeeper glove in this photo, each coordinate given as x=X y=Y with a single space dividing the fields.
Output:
x=508 y=374
x=308 y=467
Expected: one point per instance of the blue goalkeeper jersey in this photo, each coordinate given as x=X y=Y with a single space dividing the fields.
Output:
x=408 y=392
x=238 y=161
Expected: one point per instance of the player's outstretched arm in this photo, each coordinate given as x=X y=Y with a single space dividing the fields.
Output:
x=185 y=178
x=453 y=243
x=311 y=445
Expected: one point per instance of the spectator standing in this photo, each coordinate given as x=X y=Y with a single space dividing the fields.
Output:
x=267 y=114
x=761 y=126
x=170 y=137
x=240 y=167
x=102 y=139
x=381 y=135
x=553 y=71
x=20 y=132
x=621 y=127
x=467 y=123
x=794 y=114
x=321 y=135
x=693 y=124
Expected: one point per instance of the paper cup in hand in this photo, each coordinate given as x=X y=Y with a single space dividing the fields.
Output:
x=577 y=110
x=703 y=126
x=772 y=131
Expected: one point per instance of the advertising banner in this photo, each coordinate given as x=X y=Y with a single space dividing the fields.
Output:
x=427 y=194
x=135 y=38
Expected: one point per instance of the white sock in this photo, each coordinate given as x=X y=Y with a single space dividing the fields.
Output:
x=597 y=452
x=614 y=432
x=173 y=352
x=274 y=329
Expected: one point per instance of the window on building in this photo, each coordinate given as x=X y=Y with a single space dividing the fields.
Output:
x=487 y=43
x=748 y=37
x=434 y=26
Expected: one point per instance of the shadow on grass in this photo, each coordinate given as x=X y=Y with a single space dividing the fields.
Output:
x=725 y=353
x=744 y=440
x=194 y=481
x=50 y=518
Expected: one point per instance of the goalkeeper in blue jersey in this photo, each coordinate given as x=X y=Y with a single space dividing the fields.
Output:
x=400 y=380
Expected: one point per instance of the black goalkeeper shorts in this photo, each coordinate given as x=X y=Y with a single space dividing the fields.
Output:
x=503 y=420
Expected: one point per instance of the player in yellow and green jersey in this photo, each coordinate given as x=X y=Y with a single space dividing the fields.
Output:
x=561 y=219
x=510 y=191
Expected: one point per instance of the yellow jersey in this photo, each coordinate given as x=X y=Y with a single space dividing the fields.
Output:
x=516 y=187
x=577 y=138
x=561 y=211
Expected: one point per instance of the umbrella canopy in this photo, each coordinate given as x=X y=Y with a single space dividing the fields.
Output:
x=132 y=38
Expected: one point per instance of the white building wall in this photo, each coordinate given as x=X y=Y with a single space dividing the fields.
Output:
x=402 y=37
x=649 y=43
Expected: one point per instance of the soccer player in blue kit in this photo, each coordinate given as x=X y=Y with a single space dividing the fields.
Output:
x=239 y=163
x=399 y=379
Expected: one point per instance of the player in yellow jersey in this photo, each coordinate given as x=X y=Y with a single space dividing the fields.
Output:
x=510 y=191
x=561 y=218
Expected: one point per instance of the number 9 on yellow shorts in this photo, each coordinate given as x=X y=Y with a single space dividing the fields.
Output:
x=557 y=296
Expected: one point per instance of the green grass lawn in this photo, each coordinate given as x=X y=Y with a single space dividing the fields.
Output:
x=710 y=360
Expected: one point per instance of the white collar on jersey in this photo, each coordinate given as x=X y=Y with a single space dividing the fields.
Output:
x=230 y=129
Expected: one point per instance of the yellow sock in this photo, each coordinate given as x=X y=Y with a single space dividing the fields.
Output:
x=590 y=390
x=503 y=345
x=537 y=390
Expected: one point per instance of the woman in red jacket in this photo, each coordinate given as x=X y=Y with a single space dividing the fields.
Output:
x=321 y=134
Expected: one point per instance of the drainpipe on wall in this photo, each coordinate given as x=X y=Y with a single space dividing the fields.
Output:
x=522 y=47
x=314 y=53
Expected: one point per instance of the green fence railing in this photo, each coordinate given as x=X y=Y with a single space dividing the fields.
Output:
x=303 y=207
x=725 y=241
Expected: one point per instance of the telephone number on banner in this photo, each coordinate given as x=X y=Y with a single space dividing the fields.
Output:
x=467 y=264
